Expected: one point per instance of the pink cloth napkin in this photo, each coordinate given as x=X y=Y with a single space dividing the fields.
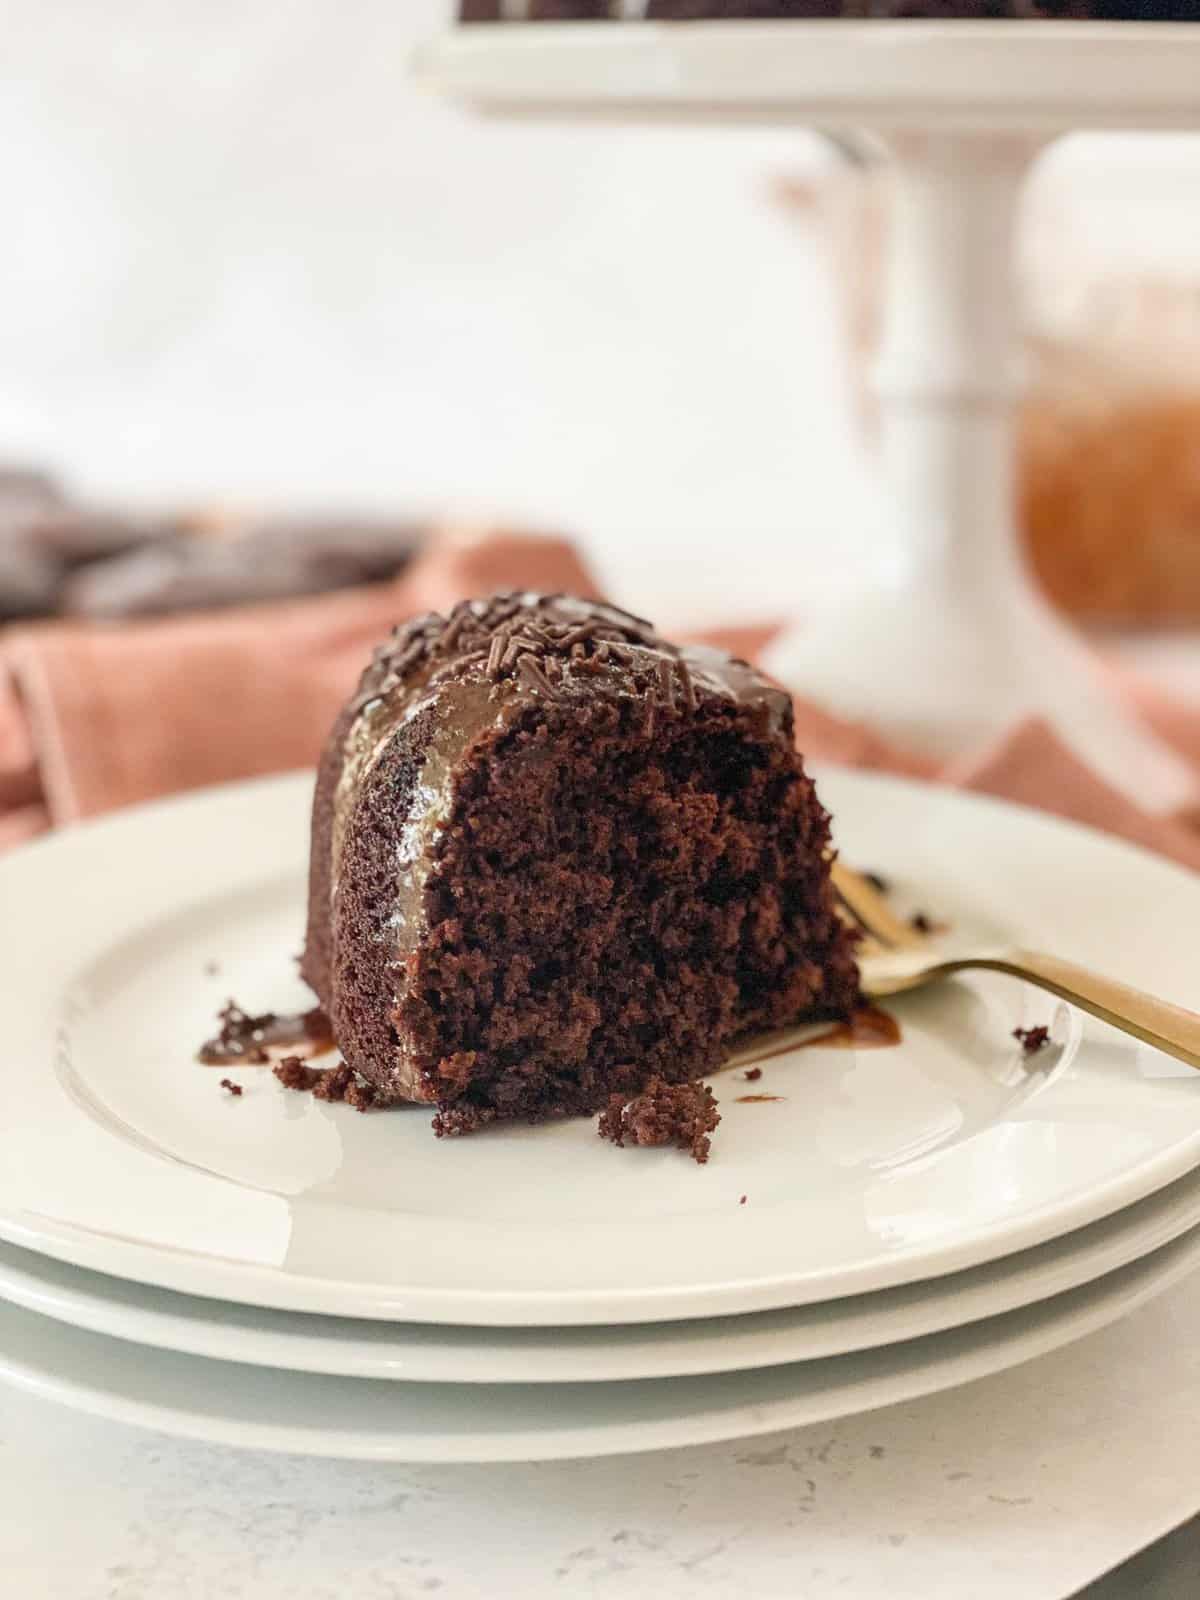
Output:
x=97 y=717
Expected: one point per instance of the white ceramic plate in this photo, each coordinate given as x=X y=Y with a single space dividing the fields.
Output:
x=430 y=1353
x=877 y=1168
x=361 y=1419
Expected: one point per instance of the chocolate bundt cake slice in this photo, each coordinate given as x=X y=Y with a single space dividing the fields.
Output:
x=554 y=856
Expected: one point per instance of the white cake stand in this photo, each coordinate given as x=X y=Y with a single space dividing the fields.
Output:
x=944 y=641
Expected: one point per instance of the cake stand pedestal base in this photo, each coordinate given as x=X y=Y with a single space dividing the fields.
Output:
x=942 y=642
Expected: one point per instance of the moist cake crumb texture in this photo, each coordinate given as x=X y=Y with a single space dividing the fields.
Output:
x=680 y=1114
x=341 y=1084
x=555 y=856
x=294 y=1072
x=338 y=1083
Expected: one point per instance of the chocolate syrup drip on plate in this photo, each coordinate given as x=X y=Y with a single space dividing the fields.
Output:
x=247 y=1040
x=868 y=1029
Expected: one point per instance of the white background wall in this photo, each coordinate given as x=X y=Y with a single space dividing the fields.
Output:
x=243 y=256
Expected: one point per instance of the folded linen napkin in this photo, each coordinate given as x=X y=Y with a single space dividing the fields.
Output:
x=94 y=717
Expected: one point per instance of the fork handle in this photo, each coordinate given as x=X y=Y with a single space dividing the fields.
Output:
x=1168 y=1027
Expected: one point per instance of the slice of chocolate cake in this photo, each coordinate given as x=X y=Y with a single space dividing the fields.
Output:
x=554 y=856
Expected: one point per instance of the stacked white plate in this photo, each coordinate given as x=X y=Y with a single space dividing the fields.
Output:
x=269 y=1270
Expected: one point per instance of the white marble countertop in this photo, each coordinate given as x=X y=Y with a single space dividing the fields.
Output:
x=1028 y=1484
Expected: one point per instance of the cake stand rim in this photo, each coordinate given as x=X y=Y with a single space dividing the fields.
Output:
x=1040 y=75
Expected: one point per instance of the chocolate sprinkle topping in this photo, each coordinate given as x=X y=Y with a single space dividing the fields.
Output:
x=534 y=638
x=534 y=676
x=1032 y=1039
x=666 y=683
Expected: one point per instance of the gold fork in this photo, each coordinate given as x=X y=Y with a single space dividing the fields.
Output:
x=896 y=957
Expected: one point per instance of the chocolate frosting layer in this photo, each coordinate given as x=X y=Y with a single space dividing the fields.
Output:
x=521 y=645
x=555 y=645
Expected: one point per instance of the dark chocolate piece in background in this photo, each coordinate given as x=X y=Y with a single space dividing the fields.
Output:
x=45 y=536
x=76 y=536
x=63 y=556
x=24 y=491
x=37 y=516
x=29 y=583
x=276 y=560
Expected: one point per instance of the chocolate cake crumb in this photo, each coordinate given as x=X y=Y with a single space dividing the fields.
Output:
x=680 y=1114
x=294 y=1072
x=1032 y=1039
x=338 y=1084
x=878 y=882
x=342 y=1084
x=361 y=1095
x=752 y=1074
x=742 y=1201
x=333 y=1084
x=452 y=1121
x=233 y=1088
x=921 y=922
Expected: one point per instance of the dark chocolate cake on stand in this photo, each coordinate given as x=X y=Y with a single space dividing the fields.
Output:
x=942 y=641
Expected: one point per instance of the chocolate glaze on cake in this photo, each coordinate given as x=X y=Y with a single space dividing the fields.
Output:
x=554 y=856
